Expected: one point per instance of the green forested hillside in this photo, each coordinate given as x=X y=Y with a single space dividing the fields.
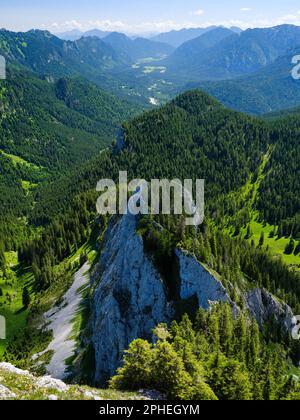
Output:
x=271 y=89
x=192 y=137
x=184 y=56
x=57 y=132
x=195 y=137
x=138 y=48
x=44 y=53
x=216 y=357
x=238 y=55
x=46 y=130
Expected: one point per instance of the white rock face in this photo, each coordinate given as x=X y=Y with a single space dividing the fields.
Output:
x=12 y=369
x=265 y=308
x=130 y=299
x=51 y=383
x=53 y=398
x=60 y=322
x=5 y=393
x=196 y=280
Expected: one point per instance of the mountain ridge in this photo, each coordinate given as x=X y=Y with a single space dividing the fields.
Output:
x=241 y=54
x=137 y=48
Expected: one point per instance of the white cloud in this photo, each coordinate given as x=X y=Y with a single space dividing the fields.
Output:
x=246 y=9
x=110 y=25
x=167 y=25
x=198 y=12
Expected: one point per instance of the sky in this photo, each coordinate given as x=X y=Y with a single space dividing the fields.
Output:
x=144 y=16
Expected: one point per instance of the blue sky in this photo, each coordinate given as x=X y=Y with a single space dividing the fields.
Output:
x=140 y=16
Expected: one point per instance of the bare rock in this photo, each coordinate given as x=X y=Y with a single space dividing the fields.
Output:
x=12 y=369
x=51 y=383
x=6 y=394
x=265 y=307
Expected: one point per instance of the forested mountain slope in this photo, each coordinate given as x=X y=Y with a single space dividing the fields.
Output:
x=89 y=57
x=52 y=58
x=44 y=53
x=46 y=130
x=268 y=90
x=177 y=38
x=193 y=136
x=196 y=137
x=239 y=54
x=137 y=48
x=193 y=50
x=239 y=156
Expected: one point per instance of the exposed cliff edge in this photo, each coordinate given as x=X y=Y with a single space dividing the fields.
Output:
x=196 y=280
x=266 y=308
x=131 y=297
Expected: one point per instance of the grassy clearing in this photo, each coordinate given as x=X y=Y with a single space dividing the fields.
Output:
x=295 y=371
x=152 y=69
x=275 y=245
x=246 y=215
x=28 y=186
x=149 y=60
x=17 y=160
x=11 y=305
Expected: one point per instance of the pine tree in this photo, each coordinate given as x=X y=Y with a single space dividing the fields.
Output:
x=289 y=249
x=137 y=370
x=262 y=239
x=226 y=328
x=169 y=375
x=213 y=331
x=26 y=298
x=297 y=249
x=253 y=344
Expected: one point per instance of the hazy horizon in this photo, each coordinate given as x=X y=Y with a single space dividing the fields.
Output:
x=141 y=16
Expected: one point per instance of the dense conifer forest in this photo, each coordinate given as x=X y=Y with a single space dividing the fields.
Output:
x=58 y=139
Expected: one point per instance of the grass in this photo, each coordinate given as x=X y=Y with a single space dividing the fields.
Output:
x=64 y=277
x=28 y=186
x=245 y=207
x=152 y=69
x=275 y=245
x=16 y=160
x=26 y=387
x=11 y=305
x=295 y=372
x=149 y=60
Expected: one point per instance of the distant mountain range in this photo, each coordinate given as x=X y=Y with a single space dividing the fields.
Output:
x=76 y=34
x=192 y=51
x=233 y=56
x=173 y=38
x=268 y=90
x=247 y=71
x=46 y=54
x=177 y=38
x=137 y=48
